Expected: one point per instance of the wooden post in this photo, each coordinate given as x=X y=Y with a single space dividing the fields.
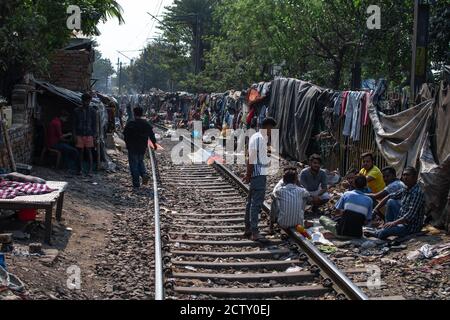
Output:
x=8 y=142
x=420 y=46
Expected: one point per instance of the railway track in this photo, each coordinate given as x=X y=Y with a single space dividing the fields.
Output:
x=204 y=255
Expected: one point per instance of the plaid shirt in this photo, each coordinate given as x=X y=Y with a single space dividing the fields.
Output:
x=413 y=207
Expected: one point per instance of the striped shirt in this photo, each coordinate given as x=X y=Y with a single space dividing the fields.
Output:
x=291 y=200
x=413 y=207
x=259 y=155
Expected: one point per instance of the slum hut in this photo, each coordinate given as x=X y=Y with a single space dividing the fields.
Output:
x=51 y=100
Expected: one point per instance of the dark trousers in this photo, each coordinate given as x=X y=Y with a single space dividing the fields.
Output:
x=255 y=203
x=137 y=168
x=70 y=155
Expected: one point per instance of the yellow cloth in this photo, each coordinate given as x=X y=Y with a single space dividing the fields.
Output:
x=378 y=184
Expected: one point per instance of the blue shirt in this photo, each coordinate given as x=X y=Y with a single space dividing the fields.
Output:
x=356 y=201
x=395 y=187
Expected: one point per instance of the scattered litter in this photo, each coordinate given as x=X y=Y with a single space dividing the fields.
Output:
x=318 y=238
x=294 y=269
x=368 y=245
x=389 y=261
x=425 y=252
x=375 y=252
x=327 y=249
x=190 y=268
x=10 y=281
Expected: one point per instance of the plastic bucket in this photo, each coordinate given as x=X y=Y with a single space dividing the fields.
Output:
x=26 y=215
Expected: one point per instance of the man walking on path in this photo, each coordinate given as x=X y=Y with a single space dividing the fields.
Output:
x=257 y=171
x=85 y=127
x=137 y=133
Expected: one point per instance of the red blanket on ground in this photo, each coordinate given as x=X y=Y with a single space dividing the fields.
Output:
x=13 y=189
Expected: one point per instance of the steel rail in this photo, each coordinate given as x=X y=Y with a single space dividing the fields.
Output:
x=159 y=275
x=342 y=284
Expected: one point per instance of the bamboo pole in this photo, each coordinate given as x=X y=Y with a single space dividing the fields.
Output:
x=7 y=142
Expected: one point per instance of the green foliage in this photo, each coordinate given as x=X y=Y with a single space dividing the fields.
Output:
x=244 y=41
x=31 y=30
x=103 y=69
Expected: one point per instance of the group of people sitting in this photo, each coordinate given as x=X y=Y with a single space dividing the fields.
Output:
x=373 y=194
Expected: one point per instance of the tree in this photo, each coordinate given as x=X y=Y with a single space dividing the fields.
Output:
x=159 y=66
x=439 y=35
x=31 y=30
x=189 y=23
x=103 y=70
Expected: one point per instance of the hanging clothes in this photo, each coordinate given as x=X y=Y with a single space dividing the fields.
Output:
x=344 y=103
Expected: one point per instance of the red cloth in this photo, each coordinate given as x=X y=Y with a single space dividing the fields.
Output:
x=13 y=189
x=344 y=103
x=54 y=132
x=250 y=116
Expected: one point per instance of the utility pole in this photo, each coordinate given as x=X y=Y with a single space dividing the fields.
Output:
x=144 y=86
x=420 y=45
x=119 y=74
x=198 y=44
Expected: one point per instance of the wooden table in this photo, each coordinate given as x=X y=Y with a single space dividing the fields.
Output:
x=41 y=202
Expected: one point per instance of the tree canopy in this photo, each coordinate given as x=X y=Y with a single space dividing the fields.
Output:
x=31 y=30
x=245 y=41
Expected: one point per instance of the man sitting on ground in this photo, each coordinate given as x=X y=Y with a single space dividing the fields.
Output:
x=393 y=184
x=372 y=173
x=405 y=217
x=315 y=181
x=354 y=210
x=288 y=206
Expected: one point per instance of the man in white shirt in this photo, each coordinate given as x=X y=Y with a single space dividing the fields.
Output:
x=257 y=171
x=288 y=208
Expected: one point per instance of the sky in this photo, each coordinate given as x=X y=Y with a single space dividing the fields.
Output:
x=138 y=29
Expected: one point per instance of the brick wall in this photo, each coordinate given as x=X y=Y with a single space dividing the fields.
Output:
x=72 y=69
x=21 y=132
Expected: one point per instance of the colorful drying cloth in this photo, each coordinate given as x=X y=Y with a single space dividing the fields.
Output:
x=13 y=189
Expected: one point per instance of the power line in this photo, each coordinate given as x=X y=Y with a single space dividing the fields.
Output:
x=154 y=21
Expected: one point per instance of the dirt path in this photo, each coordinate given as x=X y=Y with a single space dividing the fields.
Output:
x=106 y=232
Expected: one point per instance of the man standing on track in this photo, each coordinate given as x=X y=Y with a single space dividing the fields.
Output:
x=257 y=171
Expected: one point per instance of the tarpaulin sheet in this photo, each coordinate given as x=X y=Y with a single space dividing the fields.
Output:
x=295 y=105
x=401 y=137
x=435 y=183
x=443 y=122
